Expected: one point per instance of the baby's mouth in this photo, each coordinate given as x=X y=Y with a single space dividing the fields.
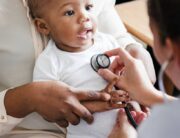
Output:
x=86 y=31
x=86 y=34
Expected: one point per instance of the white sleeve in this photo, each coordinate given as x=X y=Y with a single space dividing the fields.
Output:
x=110 y=22
x=46 y=67
x=7 y=123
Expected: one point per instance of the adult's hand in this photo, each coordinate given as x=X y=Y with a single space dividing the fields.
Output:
x=133 y=77
x=101 y=104
x=122 y=128
x=54 y=101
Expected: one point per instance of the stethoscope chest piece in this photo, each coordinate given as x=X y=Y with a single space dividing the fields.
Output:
x=100 y=61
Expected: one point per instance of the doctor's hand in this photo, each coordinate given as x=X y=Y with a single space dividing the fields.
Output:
x=122 y=128
x=131 y=74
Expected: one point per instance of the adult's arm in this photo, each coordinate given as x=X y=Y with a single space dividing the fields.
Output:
x=54 y=101
x=133 y=78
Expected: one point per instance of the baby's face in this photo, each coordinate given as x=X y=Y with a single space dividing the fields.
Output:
x=71 y=24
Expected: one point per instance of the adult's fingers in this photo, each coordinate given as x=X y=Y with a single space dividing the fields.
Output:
x=120 y=129
x=92 y=96
x=145 y=109
x=115 y=65
x=141 y=118
x=122 y=117
x=63 y=123
x=73 y=119
x=101 y=106
x=117 y=105
x=124 y=55
x=138 y=116
x=81 y=112
x=117 y=93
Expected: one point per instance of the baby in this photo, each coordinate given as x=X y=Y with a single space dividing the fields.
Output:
x=71 y=27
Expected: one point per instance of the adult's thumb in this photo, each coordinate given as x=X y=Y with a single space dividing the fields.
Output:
x=122 y=117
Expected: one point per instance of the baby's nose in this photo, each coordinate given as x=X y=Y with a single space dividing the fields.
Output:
x=84 y=18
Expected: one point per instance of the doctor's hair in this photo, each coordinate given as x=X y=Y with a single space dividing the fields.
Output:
x=166 y=16
x=36 y=7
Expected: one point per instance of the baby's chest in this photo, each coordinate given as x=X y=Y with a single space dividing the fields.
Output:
x=80 y=74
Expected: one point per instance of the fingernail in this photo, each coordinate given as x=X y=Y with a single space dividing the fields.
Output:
x=121 y=110
x=90 y=120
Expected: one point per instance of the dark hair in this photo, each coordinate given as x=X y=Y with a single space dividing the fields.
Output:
x=36 y=7
x=166 y=15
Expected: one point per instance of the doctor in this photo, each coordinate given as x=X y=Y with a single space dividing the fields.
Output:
x=164 y=121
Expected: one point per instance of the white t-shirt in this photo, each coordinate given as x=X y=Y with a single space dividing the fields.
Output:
x=75 y=70
x=164 y=122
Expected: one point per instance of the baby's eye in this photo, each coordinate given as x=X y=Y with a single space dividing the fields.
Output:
x=89 y=7
x=69 y=13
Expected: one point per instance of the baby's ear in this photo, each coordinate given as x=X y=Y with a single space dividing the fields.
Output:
x=42 y=26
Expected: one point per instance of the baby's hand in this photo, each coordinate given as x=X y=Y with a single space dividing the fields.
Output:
x=116 y=95
x=119 y=96
x=110 y=86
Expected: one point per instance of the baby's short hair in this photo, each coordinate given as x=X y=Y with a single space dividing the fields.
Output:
x=36 y=6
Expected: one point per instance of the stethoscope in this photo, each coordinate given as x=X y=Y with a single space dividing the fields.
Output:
x=102 y=61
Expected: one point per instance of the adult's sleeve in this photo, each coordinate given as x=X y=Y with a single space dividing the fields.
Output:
x=7 y=123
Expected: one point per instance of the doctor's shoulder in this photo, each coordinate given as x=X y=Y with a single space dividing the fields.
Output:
x=164 y=122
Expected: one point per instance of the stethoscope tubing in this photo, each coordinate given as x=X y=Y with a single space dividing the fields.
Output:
x=131 y=119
